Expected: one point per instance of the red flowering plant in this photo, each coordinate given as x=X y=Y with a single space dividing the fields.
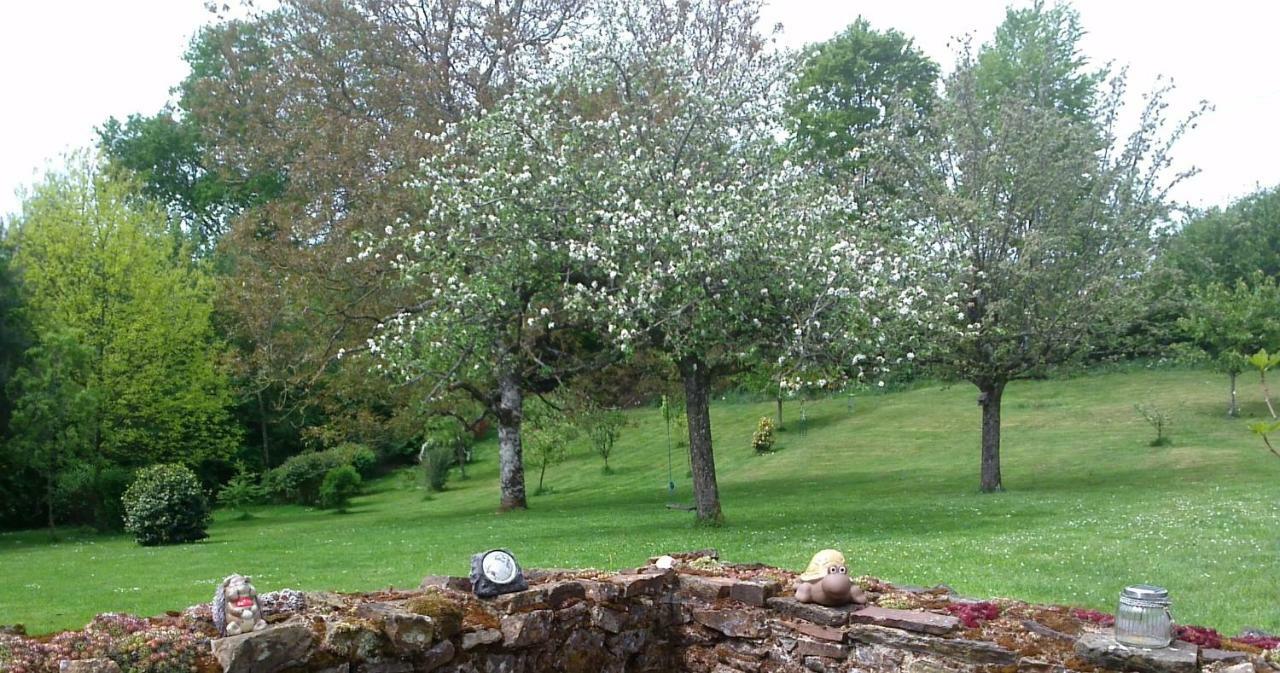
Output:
x=972 y=615
x=1093 y=617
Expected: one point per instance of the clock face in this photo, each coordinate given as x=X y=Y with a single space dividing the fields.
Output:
x=499 y=567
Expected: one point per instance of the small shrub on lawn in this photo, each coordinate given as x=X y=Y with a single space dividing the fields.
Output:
x=339 y=485
x=1159 y=419
x=165 y=505
x=242 y=491
x=762 y=440
x=298 y=479
x=437 y=459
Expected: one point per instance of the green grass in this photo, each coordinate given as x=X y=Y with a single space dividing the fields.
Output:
x=1090 y=507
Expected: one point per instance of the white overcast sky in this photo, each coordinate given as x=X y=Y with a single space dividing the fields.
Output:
x=67 y=65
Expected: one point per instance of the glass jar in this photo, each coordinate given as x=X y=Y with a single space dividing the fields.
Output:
x=1143 y=619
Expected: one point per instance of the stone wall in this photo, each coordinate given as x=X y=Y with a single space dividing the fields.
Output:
x=701 y=617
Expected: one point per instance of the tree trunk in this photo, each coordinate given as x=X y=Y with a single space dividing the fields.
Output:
x=989 y=398
x=510 y=415
x=48 y=496
x=262 y=426
x=779 y=409
x=1233 y=410
x=697 y=393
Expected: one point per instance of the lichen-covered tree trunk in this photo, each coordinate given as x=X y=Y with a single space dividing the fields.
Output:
x=510 y=415
x=989 y=398
x=697 y=392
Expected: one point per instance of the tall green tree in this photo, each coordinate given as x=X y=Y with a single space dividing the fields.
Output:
x=15 y=333
x=98 y=259
x=849 y=86
x=1038 y=217
x=1035 y=58
x=19 y=488
x=171 y=152
x=57 y=407
x=1227 y=245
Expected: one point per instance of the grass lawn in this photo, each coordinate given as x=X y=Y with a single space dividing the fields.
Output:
x=1090 y=507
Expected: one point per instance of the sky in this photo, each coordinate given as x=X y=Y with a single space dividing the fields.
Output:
x=68 y=65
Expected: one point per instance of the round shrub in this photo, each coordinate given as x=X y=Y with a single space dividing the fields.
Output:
x=358 y=456
x=165 y=505
x=339 y=485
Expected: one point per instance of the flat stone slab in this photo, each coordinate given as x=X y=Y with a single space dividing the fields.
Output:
x=1209 y=655
x=755 y=593
x=708 y=588
x=817 y=631
x=818 y=614
x=970 y=651
x=474 y=639
x=1103 y=650
x=907 y=620
x=644 y=584
x=732 y=623
x=549 y=596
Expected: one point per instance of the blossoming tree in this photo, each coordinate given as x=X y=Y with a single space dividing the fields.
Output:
x=702 y=239
x=638 y=193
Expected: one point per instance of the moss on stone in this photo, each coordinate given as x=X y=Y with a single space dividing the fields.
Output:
x=446 y=612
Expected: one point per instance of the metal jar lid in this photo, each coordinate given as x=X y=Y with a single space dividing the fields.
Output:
x=1146 y=593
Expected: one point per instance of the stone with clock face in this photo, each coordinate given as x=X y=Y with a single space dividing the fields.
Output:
x=496 y=572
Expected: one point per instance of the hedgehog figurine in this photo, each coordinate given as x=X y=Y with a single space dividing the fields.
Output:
x=236 y=608
x=826 y=581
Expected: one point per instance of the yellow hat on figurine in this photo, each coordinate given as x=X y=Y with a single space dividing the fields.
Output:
x=821 y=561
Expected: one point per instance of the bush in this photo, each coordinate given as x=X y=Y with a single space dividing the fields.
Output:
x=298 y=479
x=603 y=426
x=92 y=495
x=165 y=505
x=762 y=440
x=339 y=485
x=358 y=456
x=1159 y=419
x=243 y=490
x=436 y=461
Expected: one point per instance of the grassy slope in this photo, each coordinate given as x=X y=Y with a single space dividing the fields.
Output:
x=1089 y=508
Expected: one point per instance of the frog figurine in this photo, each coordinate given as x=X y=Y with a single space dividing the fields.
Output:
x=826 y=581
